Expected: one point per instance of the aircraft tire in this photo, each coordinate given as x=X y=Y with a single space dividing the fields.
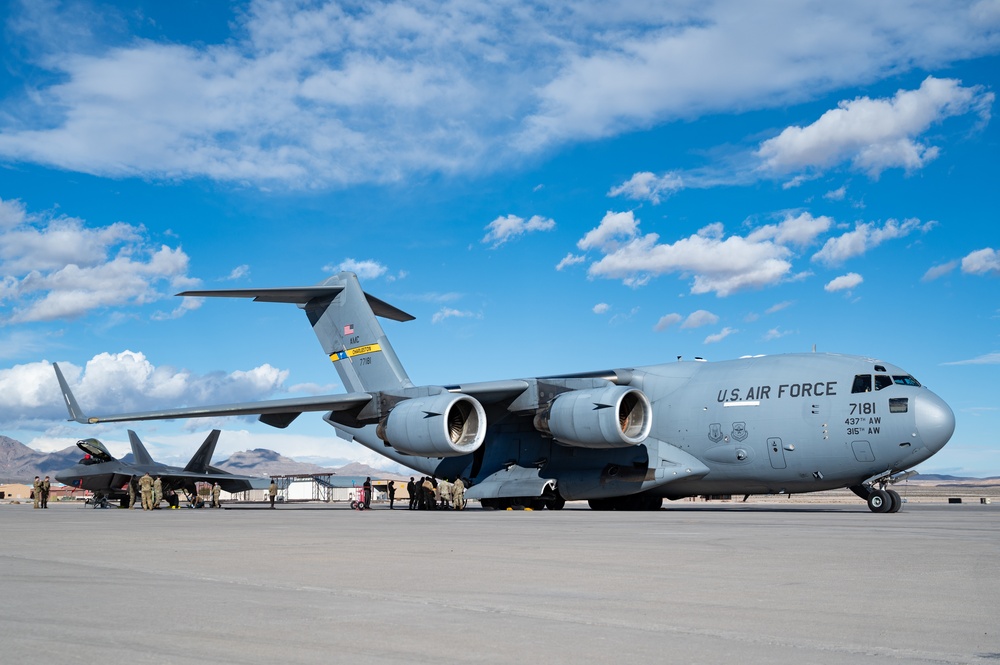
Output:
x=557 y=503
x=879 y=501
x=600 y=504
x=896 y=502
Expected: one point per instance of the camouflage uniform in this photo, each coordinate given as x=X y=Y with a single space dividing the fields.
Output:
x=46 y=486
x=216 y=491
x=157 y=492
x=146 y=489
x=36 y=492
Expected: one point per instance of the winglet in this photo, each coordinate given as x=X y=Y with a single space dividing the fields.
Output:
x=75 y=412
x=203 y=457
x=139 y=451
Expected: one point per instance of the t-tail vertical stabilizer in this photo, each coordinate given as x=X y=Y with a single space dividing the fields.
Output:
x=344 y=320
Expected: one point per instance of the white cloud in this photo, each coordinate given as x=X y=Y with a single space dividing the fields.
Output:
x=867 y=236
x=314 y=94
x=777 y=307
x=982 y=262
x=836 y=194
x=570 y=259
x=874 y=134
x=59 y=268
x=844 y=282
x=939 y=271
x=364 y=269
x=666 y=321
x=646 y=186
x=450 y=313
x=601 y=308
x=716 y=263
x=239 y=272
x=776 y=333
x=502 y=229
x=719 y=336
x=801 y=230
x=987 y=359
x=700 y=318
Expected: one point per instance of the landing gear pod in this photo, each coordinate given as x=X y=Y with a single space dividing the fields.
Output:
x=445 y=425
x=610 y=417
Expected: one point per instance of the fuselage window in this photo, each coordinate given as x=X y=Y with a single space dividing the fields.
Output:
x=882 y=381
x=862 y=383
x=898 y=404
x=906 y=381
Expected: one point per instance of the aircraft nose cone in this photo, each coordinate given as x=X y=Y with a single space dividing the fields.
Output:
x=934 y=419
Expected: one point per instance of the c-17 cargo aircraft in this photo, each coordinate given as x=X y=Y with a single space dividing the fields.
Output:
x=108 y=478
x=621 y=438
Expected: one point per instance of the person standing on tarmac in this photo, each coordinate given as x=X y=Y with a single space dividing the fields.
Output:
x=146 y=490
x=157 y=492
x=411 y=490
x=133 y=489
x=272 y=491
x=46 y=486
x=36 y=492
x=368 y=492
x=216 y=492
x=458 y=494
x=390 y=488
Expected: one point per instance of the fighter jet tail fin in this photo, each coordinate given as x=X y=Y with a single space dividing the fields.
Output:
x=344 y=319
x=75 y=413
x=203 y=457
x=139 y=451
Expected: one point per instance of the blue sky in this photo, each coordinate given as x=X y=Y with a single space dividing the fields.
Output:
x=547 y=189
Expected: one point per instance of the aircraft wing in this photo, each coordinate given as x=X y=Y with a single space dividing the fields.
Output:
x=278 y=412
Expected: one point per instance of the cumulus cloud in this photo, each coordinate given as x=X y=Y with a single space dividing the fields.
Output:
x=800 y=230
x=125 y=382
x=719 y=264
x=844 y=282
x=61 y=268
x=982 y=262
x=869 y=135
x=866 y=236
x=317 y=94
x=666 y=321
x=239 y=272
x=570 y=259
x=874 y=134
x=601 y=308
x=719 y=336
x=700 y=318
x=364 y=269
x=502 y=229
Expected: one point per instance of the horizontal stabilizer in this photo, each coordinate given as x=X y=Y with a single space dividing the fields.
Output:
x=301 y=295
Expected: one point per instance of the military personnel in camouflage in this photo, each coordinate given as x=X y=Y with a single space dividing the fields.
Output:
x=146 y=490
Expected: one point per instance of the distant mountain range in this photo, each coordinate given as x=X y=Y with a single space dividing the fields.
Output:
x=19 y=463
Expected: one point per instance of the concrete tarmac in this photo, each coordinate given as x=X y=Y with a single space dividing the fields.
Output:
x=693 y=583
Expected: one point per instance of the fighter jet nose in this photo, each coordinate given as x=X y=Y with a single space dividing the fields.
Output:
x=935 y=421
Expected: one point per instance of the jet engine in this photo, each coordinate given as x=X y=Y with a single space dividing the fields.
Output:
x=445 y=425
x=610 y=417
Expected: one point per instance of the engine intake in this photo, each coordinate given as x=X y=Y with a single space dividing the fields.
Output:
x=445 y=425
x=610 y=417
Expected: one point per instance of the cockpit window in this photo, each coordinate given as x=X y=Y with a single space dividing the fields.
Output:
x=905 y=381
x=879 y=368
x=862 y=383
x=882 y=381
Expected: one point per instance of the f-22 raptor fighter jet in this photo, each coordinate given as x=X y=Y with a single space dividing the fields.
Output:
x=108 y=478
x=621 y=438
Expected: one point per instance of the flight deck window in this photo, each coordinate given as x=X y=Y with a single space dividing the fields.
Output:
x=882 y=381
x=862 y=383
x=905 y=381
x=898 y=404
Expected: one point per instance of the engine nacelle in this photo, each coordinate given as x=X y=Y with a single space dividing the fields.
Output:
x=610 y=417
x=445 y=425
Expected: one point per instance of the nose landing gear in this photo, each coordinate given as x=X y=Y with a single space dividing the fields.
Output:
x=880 y=499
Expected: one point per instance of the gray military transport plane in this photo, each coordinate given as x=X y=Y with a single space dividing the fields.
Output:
x=108 y=478
x=621 y=438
